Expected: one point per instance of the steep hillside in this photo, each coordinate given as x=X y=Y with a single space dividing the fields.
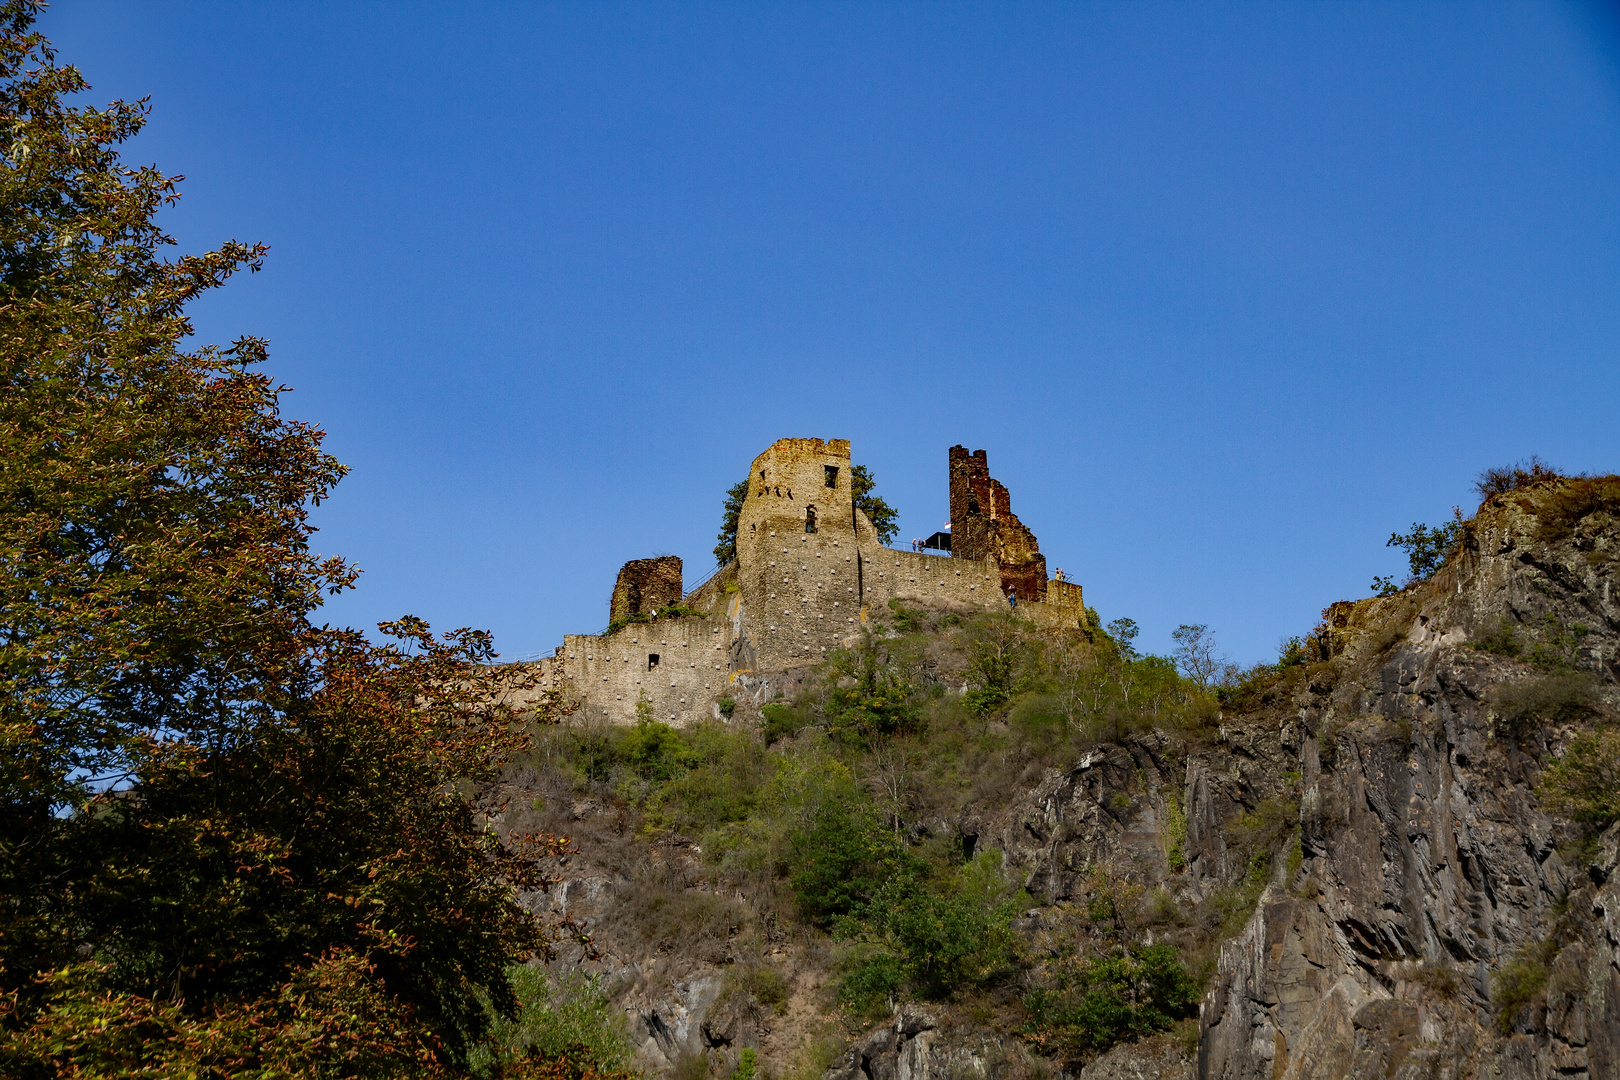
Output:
x=971 y=846
x=1444 y=921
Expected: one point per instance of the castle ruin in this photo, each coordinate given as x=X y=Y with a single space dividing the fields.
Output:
x=810 y=569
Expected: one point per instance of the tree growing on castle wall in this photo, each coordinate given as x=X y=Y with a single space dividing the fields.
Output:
x=884 y=518
x=726 y=550
x=231 y=841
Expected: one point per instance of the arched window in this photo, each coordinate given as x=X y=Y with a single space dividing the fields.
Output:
x=809 y=519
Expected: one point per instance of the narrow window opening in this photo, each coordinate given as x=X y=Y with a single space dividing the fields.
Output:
x=973 y=506
x=762 y=474
x=832 y=475
x=809 y=519
x=652 y=660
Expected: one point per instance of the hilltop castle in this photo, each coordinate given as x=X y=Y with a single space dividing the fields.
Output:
x=809 y=570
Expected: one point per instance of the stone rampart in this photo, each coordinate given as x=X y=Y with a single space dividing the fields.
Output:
x=679 y=665
x=908 y=575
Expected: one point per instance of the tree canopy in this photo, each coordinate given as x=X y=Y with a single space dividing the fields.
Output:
x=230 y=839
x=884 y=518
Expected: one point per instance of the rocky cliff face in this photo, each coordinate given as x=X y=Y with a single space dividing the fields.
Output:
x=1428 y=863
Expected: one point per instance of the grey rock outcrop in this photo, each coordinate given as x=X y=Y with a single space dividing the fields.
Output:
x=1428 y=864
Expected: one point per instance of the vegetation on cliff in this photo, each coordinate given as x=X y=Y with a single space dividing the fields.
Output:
x=834 y=811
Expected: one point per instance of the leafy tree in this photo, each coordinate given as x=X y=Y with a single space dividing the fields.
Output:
x=1124 y=632
x=947 y=937
x=997 y=651
x=884 y=518
x=230 y=840
x=1427 y=549
x=726 y=550
x=842 y=857
x=559 y=1015
x=653 y=749
x=868 y=696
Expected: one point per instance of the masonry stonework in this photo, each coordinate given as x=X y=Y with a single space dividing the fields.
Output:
x=809 y=570
x=984 y=526
x=645 y=586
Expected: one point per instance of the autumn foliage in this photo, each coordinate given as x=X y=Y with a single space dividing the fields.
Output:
x=232 y=842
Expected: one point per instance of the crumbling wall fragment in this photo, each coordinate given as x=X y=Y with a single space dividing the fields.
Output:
x=983 y=524
x=645 y=586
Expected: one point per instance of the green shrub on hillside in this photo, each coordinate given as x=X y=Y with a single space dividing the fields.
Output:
x=1500 y=638
x=867 y=696
x=559 y=1017
x=653 y=750
x=1550 y=699
x=1126 y=995
x=725 y=779
x=932 y=937
x=1520 y=981
x=1584 y=784
x=842 y=860
x=782 y=721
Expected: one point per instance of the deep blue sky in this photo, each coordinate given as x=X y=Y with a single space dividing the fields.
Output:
x=1228 y=292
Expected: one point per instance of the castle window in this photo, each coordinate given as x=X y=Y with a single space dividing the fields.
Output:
x=652 y=660
x=832 y=475
x=809 y=519
x=973 y=506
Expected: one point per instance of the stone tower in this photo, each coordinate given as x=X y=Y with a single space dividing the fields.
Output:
x=799 y=540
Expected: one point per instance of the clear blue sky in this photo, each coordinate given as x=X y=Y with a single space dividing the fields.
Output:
x=1227 y=291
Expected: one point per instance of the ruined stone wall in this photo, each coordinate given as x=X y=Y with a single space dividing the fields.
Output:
x=1064 y=608
x=607 y=675
x=983 y=525
x=645 y=586
x=809 y=568
x=912 y=576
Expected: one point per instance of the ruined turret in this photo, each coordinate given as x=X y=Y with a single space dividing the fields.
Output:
x=984 y=526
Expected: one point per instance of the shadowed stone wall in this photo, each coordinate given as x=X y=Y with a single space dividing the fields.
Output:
x=984 y=526
x=646 y=585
